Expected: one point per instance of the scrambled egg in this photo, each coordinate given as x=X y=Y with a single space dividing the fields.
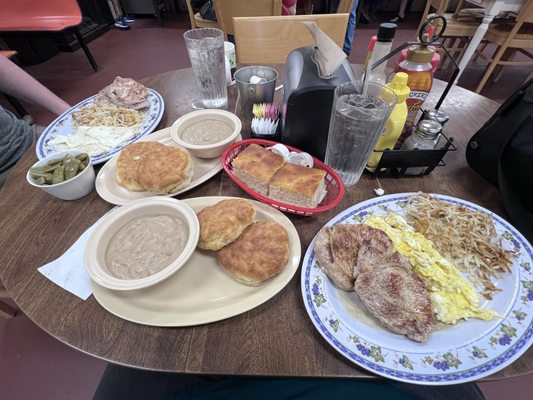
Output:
x=453 y=296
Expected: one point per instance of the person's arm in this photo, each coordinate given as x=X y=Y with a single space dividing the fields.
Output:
x=17 y=83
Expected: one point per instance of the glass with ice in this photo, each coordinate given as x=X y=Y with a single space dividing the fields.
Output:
x=357 y=121
x=205 y=47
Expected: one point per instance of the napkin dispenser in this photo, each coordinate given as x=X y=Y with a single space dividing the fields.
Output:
x=308 y=100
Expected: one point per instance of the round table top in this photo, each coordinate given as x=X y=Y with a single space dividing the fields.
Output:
x=276 y=338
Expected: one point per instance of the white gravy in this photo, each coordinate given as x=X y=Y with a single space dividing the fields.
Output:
x=145 y=245
x=207 y=131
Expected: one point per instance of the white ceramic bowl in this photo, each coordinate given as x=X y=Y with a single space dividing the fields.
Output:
x=75 y=188
x=95 y=250
x=206 y=150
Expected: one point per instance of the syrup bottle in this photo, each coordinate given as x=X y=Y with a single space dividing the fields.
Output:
x=417 y=65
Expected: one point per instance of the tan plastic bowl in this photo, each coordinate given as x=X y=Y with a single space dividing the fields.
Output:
x=94 y=256
x=208 y=150
x=73 y=189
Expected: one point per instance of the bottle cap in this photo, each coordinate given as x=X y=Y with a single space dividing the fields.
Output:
x=399 y=86
x=440 y=116
x=419 y=54
x=428 y=129
x=372 y=43
x=386 y=32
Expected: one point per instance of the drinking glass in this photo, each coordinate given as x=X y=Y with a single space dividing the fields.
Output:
x=206 y=52
x=357 y=121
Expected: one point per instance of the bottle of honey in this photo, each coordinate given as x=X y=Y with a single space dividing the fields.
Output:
x=417 y=65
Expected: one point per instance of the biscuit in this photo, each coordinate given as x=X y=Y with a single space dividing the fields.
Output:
x=222 y=223
x=128 y=163
x=259 y=254
x=165 y=171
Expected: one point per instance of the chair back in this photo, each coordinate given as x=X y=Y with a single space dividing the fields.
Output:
x=345 y=6
x=227 y=9
x=191 y=13
x=32 y=15
x=269 y=40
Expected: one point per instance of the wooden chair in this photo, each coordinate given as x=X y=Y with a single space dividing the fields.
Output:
x=43 y=16
x=459 y=28
x=510 y=38
x=270 y=39
x=196 y=19
x=227 y=9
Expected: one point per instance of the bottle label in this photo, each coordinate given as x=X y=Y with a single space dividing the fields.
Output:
x=414 y=103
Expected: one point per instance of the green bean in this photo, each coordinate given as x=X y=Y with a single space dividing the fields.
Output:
x=60 y=169
x=71 y=167
x=59 y=175
x=39 y=174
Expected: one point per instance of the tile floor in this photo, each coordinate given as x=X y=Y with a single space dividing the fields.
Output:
x=35 y=365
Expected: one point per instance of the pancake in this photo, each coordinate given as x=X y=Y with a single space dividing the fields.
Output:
x=259 y=254
x=223 y=222
x=166 y=170
x=128 y=163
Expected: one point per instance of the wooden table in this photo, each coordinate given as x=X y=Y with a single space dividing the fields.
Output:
x=276 y=338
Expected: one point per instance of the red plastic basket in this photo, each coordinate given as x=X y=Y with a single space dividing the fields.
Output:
x=334 y=185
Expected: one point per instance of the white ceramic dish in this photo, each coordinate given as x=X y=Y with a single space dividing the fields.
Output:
x=201 y=292
x=72 y=189
x=206 y=150
x=63 y=126
x=464 y=352
x=109 y=190
x=94 y=256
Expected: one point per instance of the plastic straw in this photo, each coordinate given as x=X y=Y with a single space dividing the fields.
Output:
x=367 y=75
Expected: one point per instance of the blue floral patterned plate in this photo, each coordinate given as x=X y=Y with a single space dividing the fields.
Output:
x=464 y=352
x=63 y=126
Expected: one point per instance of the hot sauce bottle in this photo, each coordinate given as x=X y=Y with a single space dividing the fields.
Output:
x=417 y=65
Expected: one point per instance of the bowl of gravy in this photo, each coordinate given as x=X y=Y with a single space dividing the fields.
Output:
x=206 y=133
x=142 y=243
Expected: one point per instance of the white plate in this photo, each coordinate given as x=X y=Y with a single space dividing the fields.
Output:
x=201 y=291
x=109 y=190
x=467 y=351
x=62 y=126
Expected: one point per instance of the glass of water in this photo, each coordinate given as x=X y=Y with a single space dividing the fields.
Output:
x=357 y=121
x=205 y=47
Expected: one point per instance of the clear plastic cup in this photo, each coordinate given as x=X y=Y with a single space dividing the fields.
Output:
x=357 y=121
x=205 y=47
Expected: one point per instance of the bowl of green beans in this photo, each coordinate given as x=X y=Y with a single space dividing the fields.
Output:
x=67 y=175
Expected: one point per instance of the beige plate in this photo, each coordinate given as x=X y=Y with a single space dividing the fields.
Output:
x=201 y=291
x=109 y=190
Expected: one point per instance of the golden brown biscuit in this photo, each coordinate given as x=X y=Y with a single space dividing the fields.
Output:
x=260 y=253
x=165 y=171
x=255 y=166
x=222 y=223
x=128 y=163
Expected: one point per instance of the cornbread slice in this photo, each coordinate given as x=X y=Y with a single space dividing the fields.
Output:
x=255 y=166
x=298 y=185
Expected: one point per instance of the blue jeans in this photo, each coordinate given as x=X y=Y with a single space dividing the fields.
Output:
x=350 y=29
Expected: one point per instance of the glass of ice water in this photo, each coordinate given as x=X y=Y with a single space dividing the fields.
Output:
x=357 y=121
x=205 y=47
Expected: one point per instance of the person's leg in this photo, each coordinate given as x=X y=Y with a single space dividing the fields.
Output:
x=401 y=13
x=121 y=21
x=350 y=29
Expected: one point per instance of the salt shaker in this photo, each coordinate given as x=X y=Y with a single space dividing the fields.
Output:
x=440 y=116
x=425 y=137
